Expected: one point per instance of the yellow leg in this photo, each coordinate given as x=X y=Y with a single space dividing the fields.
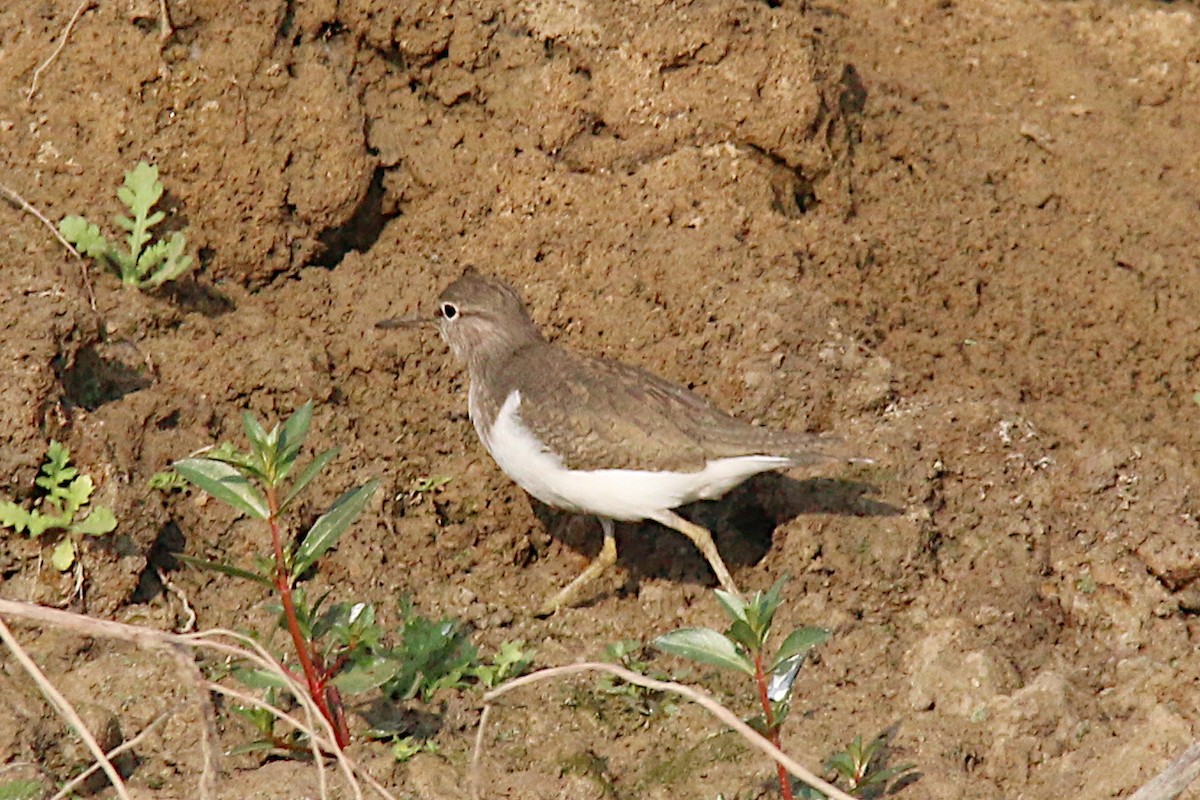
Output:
x=607 y=557
x=704 y=542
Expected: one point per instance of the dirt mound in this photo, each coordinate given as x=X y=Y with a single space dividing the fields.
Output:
x=962 y=237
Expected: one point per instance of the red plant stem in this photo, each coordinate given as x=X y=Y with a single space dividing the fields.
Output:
x=315 y=680
x=760 y=679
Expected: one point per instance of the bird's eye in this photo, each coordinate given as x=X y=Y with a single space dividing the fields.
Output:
x=448 y=311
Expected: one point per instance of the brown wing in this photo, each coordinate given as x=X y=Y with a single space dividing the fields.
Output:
x=617 y=416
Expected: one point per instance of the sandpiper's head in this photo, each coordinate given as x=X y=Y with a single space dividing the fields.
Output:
x=480 y=317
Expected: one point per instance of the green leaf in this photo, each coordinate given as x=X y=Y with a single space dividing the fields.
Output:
x=259 y=746
x=260 y=440
x=173 y=262
x=331 y=525
x=63 y=555
x=40 y=523
x=260 y=678
x=224 y=569
x=76 y=494
x=56 y=473
x=798 y=642
x=85 y=236
x=142 y=189
x=767 y=605
x=734 y=606
x=295 y=430
x=167 y=480
x=434 y=655
x=225 y=483
x=310 y=472
x=706 y=646
x=741 y=632
x=100 y=521
x=13 y=516
x=371 y=673
x=247 y=463
x=58 y=455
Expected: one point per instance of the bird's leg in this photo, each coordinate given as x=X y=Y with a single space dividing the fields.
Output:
x=704 y=542
x=607 y=557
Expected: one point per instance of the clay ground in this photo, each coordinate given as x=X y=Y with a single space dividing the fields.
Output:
x=963 y=236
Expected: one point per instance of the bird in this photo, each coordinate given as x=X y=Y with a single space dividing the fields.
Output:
x=593 y=435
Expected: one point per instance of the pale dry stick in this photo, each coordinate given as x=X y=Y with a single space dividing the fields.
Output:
x=152 y=637
x=24 y=204
x=62 y=42
x=190 y=625
x=165 y=20
x=310 y=710
x=359 y=773
x=209 y=739
x=752 y=737
x=1170 y=783
x=350 y=769
x=64 y=707
x=315 y=742
x=116 y=751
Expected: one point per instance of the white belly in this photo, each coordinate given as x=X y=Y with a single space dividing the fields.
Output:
x=621 y=494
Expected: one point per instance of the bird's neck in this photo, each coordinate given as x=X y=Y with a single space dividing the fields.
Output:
x=492 y=355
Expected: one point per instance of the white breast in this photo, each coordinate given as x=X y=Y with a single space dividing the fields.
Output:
x=620 y=494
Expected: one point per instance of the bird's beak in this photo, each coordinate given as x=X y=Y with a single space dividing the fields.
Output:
x=411 y=321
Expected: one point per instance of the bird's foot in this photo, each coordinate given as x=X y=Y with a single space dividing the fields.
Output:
x=570 y=594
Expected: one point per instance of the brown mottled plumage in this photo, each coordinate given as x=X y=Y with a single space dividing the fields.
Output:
x=595 y=435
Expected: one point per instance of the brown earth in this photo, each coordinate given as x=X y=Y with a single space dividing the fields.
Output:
x=963 y=236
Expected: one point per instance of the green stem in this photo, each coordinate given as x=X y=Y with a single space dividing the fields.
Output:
x=316 y=681
x=760 y=679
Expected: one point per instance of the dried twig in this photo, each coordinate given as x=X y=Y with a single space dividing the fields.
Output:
x=37 y=73
x=21 y=201
x=319 y=732
x=164 y=17
x=209 y=741
x=1170 y=783
x=64 y=707
x=70 y=785
x=190 y=625
x=752 y=737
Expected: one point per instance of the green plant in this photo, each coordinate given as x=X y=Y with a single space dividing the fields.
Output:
x=143 y=264
x=511 y=661
x=61 y=506
x=743 y=648
x=860 y=769
x=254 y=483
x=168 y=480
x=632 y=655
x=340 y=648
x=437 y=654
x=405 y=747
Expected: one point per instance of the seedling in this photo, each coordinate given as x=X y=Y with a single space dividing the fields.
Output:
x=437 y=655
x=743 y=648
x=143 y=264
x=254 y=483
x=340 y=648
x=167 y=480
x=61 y=506
x=631 y=654
x=511 y=661
x=860 y=768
